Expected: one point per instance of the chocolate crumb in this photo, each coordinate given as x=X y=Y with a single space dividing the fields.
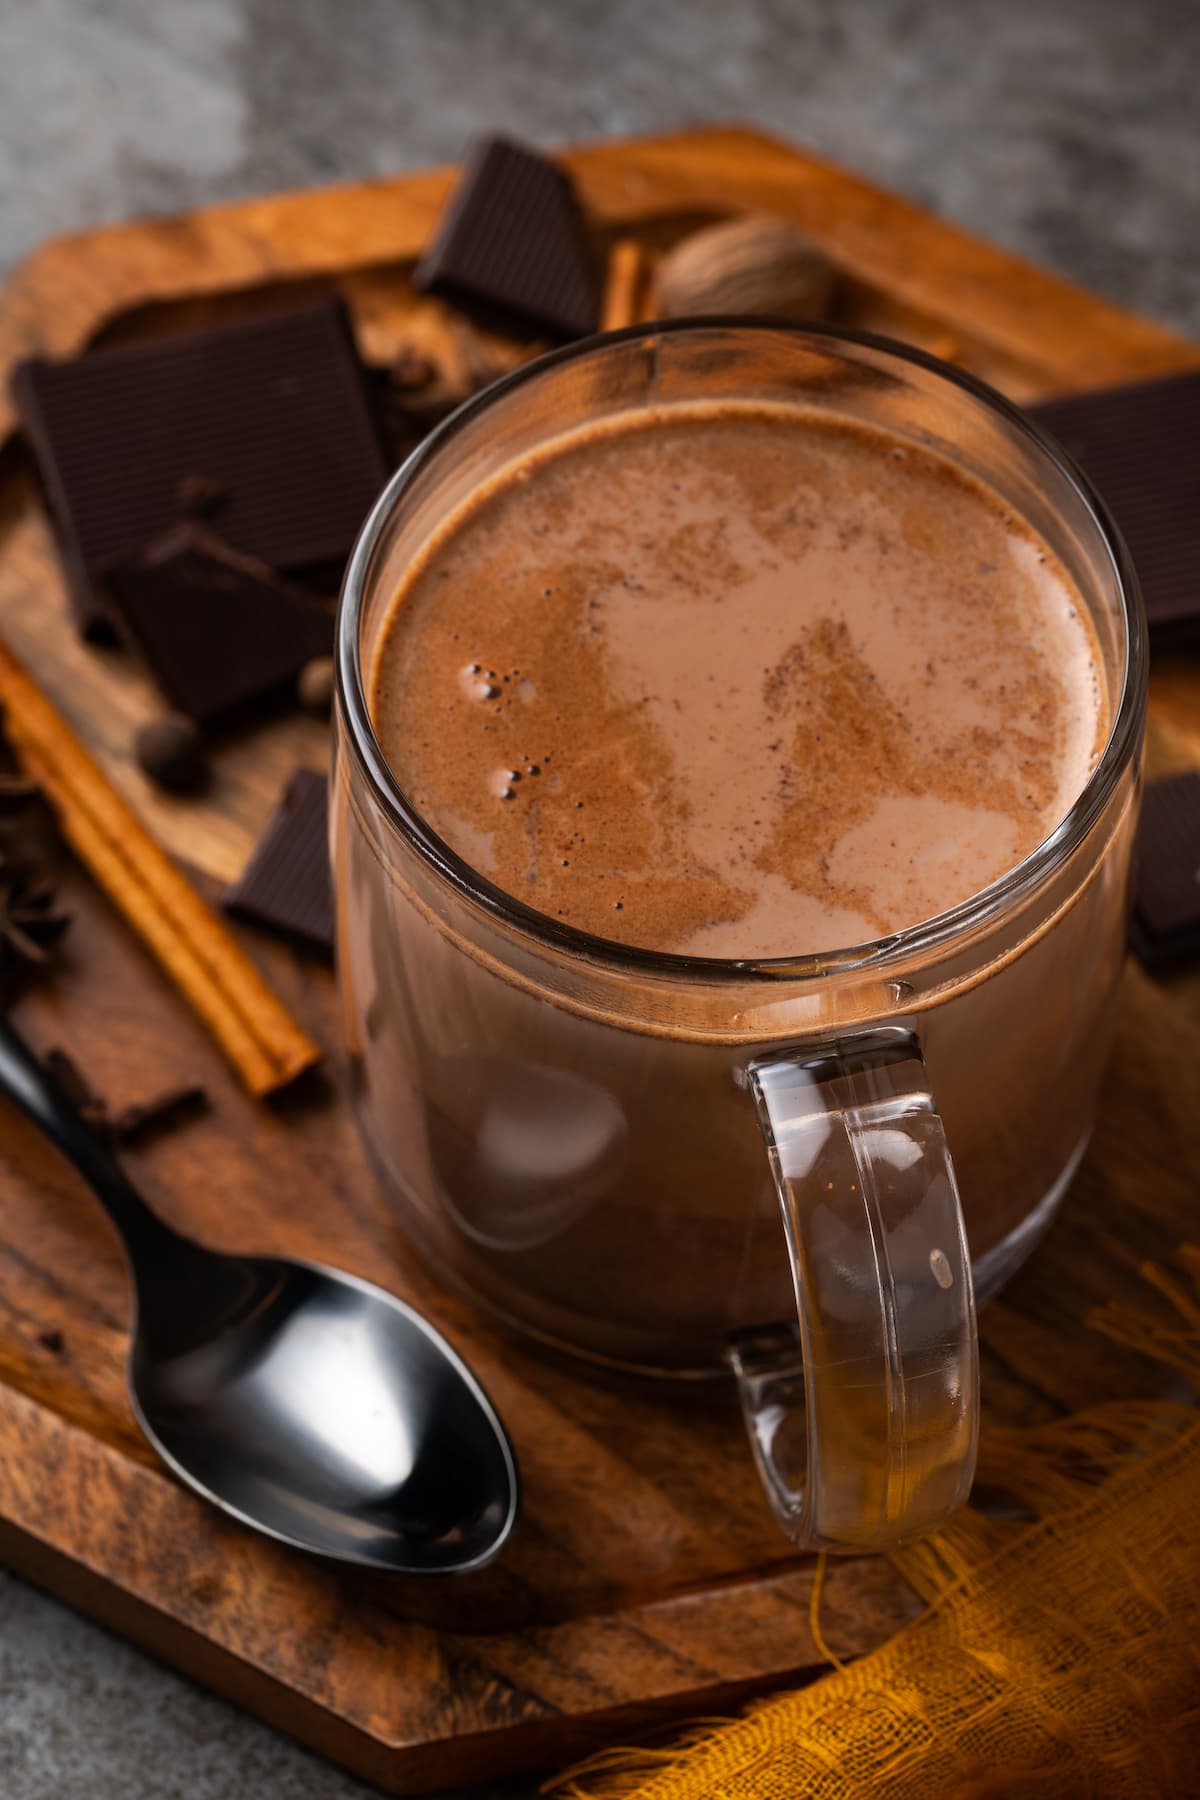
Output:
x=170 y=751
x=53 y=1341
x=411 y=371
x=178 y=1106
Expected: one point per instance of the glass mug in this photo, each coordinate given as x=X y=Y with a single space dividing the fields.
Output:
x=600 y=1142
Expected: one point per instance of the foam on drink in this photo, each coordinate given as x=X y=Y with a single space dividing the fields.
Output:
x=739 y=681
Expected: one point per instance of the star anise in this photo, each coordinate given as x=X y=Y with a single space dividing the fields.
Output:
x=30 y=922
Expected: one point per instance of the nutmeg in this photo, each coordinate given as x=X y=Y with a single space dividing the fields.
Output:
x=754 y=264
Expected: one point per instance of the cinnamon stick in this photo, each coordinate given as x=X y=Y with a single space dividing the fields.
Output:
x=262 y=1040
x=622 y=285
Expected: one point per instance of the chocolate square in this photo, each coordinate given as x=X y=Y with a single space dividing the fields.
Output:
x=287 y=885
x=1140 y=445
x=269 y=414
x=217 y=629
x=1166 y=917
x=512 y=239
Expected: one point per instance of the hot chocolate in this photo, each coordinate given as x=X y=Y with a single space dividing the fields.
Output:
x=686 y=666
x=739 y=681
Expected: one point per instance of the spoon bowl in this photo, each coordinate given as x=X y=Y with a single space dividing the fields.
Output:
x=326 y=1413
x=310 y=1405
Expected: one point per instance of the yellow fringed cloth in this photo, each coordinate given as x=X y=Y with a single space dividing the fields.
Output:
x=1056 y=1658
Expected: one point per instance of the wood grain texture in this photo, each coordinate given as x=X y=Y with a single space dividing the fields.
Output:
x=646 y=1580
x=904 y=272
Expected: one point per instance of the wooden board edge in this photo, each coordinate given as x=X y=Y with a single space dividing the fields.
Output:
x=79 y=1560
x=961 y=277
x=95 y=273
x=534 y=1747
x=1032 y=314
x=187 y=1651
x=508 y=1750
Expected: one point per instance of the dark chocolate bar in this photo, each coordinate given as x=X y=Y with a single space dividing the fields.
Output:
x=217 y=629
x=269 y=415
x=1140 y=445
x=512 y=239
x=1166 y=917
x=286 y=885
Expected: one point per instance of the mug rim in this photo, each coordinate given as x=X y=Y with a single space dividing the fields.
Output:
x=929 y=934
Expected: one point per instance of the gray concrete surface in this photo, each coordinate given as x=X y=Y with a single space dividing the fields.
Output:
x=1066 y=129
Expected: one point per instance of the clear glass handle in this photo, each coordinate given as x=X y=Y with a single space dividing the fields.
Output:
x=863 y=1413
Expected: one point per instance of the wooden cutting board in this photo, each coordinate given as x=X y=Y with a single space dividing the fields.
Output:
x=646 y=1581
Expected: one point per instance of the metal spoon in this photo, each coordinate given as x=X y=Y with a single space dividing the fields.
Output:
x=310 y=1405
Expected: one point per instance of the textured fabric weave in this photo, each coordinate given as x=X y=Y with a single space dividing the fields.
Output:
x=1058 y=1657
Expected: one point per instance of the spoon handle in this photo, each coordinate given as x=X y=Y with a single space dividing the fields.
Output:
x=24 y=1080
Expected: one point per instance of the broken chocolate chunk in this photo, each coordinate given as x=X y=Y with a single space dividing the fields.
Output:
x=512 y=240
x=286 y=885
x=1166 y=917
x=1140 y=445
x=133 y=1124
x=217 y=628
x=266 y=419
